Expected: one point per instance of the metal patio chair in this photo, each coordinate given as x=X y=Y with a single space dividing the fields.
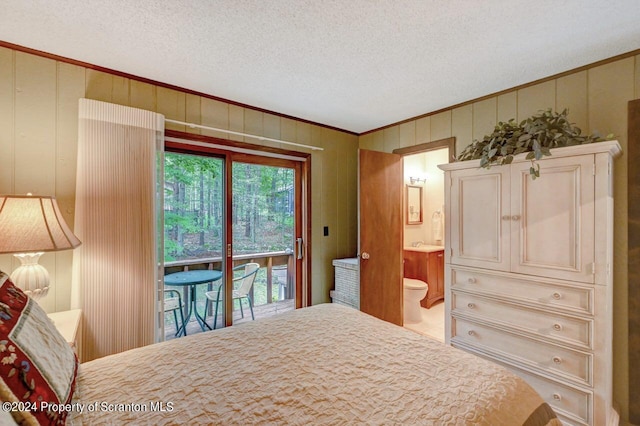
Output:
x=243 y=291
x=174 y=304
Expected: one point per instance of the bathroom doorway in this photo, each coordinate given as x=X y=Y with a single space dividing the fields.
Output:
x=424 y=223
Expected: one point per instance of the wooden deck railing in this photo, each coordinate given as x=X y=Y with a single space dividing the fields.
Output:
x=270 y=261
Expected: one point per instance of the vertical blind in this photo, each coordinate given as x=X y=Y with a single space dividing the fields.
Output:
x=116 y=269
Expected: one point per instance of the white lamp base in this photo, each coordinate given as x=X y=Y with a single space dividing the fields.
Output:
x=31 y=277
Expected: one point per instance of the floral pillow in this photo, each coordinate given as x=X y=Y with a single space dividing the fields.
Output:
x=38 y=368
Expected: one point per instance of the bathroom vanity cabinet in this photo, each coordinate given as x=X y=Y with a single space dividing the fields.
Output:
x=529 y=273
x=426 y=263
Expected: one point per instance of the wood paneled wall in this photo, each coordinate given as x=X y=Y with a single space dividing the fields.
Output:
x=634 y=259
x=38 y=147
x=38 y=134
x=597 y=100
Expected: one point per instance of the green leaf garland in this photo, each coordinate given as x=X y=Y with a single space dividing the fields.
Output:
x=536 y=135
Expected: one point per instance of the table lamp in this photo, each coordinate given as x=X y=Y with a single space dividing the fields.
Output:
x=29 y=226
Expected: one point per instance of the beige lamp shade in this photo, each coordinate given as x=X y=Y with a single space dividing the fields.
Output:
x=29 y=226
x=33 y=224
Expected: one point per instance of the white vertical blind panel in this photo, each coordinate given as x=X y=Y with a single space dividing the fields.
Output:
x=115 y=269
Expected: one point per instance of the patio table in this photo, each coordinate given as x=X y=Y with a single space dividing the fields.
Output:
x=192 y=279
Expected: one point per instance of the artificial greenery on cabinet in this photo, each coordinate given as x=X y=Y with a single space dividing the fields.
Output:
x=536 y=135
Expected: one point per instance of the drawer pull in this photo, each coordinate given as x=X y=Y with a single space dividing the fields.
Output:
x=557 y=295
x=557 y=327
x=557 y=359
x=472 y=280
x=471 y=305
x=471 y=333
x=557 y=396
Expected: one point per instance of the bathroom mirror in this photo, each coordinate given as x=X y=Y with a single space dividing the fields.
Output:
x=414 y=204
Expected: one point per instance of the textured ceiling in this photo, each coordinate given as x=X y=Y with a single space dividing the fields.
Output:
x=352 y=64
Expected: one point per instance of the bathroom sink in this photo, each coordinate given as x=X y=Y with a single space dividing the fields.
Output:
x=424 y=248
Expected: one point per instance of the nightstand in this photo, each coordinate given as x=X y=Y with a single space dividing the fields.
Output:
x=69 y=325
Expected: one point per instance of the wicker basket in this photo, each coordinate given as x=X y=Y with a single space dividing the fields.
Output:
x=347 y=282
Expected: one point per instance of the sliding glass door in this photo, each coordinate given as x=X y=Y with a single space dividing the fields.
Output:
x=264 y=238
x=194 y=243
x=233 y=243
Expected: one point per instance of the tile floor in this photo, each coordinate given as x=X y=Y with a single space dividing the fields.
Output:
x=432 y=323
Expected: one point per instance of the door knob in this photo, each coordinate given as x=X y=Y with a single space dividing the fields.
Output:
x=364 y=255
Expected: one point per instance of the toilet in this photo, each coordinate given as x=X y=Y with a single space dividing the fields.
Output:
x=414 y=292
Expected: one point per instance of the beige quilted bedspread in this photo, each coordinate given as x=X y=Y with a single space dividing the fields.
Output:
x=327 y=364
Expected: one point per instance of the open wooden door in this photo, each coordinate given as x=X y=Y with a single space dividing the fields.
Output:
x=380 y=230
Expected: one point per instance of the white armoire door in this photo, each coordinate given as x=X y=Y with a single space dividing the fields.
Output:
x=479 y=233
x=547 y=216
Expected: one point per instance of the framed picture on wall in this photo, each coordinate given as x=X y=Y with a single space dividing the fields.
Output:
x=414 y=205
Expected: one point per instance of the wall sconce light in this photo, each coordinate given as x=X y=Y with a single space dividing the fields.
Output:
x=415 y=180
x=30 y=226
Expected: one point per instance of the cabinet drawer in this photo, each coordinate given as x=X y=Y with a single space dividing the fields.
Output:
x=562 y=362
x=574 y=404
x=542 y=292
x=547 y=325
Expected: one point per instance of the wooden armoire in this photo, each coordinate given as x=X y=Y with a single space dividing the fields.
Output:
x=528 y=273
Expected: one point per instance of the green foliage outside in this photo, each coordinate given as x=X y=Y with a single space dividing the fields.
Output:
x=262 y=211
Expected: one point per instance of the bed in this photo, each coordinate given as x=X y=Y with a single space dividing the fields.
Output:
x=326 y=364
